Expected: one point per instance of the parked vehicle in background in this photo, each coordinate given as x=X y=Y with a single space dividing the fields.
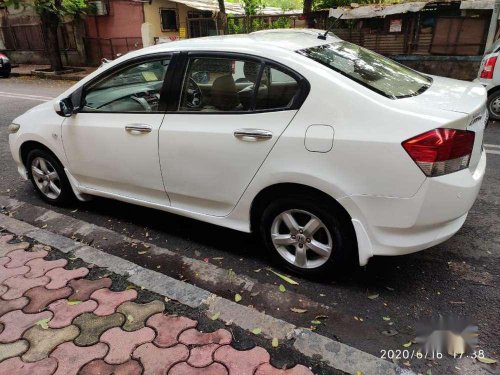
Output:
x=489 y=77
x=264 y=133
x=5 y=65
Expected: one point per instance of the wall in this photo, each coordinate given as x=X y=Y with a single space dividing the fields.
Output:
x=152 y=16
x=458 y=67
x=124 y=19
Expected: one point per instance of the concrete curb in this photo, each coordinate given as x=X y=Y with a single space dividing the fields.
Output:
x=337 y=355
x=68 y=77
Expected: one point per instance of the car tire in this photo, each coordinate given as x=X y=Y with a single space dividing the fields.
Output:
x=48 y=177
x=335 y=230
x=494 y=105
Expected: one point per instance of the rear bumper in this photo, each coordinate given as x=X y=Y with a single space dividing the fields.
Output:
x=397 y=226
x=487 y=83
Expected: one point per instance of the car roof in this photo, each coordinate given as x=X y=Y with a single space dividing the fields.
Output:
x=284 y=39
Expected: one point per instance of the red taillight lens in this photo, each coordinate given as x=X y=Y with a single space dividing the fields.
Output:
x=441 y=151
x=489 y=68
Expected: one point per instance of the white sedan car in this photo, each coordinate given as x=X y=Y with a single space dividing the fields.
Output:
x=330 y=152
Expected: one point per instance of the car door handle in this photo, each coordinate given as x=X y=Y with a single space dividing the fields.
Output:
x=253 y=134
x=138 y=128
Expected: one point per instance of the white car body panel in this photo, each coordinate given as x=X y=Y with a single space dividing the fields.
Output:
x=127 y=168
x=211 y=176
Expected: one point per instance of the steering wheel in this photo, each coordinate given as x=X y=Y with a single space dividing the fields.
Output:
x=194 y=95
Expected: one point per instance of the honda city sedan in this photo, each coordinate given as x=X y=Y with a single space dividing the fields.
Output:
x=331 y=153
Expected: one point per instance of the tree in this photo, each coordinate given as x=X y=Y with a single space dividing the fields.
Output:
x=307 y=11
x=51 y=13
x=223 y=17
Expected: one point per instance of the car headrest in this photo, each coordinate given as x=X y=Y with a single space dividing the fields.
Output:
x=224 y=94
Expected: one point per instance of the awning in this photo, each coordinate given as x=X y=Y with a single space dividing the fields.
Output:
x=231 y=8
x=381 y=10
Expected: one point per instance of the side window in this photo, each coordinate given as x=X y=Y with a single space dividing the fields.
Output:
x=277 y=90
x=219 y=85
x=168 y=19
x=135 y=88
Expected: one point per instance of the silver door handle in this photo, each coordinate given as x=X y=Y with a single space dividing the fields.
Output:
x=138 y=128
x=252 y=134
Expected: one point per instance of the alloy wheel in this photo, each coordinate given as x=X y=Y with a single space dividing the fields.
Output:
x=46 y=177
x=301 y=238
x=495 y=106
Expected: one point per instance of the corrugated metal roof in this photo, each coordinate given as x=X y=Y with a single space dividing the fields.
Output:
x=231 y=8
x=382 y=10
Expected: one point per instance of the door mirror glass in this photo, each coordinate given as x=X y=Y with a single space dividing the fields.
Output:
x=64 y=107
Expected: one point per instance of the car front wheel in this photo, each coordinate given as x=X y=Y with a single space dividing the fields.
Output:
x=48 y=177
x=307 y=237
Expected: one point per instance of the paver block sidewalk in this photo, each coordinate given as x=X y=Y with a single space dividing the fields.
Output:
x=46 y=329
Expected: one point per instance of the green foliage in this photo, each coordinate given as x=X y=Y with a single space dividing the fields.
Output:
x=57 y=8
x=235 y=26
x=252 y=6
x=281 y=23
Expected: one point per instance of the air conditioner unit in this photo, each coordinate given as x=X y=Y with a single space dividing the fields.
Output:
x=100 y=8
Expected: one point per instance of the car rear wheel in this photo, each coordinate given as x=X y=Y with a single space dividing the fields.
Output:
x=494 y=105
x=307 y=237
x=48 y=177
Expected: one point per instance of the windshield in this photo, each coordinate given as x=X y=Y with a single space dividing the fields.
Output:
x=370 y=69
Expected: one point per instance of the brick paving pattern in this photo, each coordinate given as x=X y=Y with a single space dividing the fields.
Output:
x=54 y=321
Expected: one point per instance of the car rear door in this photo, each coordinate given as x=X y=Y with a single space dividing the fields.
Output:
x=225 y=122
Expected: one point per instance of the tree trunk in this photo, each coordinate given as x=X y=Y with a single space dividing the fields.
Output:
x=50 y=24
x=222 y=17
x=308 y=13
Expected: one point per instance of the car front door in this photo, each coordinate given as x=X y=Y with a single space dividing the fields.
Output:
x=229 y=115
x=112 y=142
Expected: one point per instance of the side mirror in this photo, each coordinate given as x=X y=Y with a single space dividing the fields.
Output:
x=64 y=107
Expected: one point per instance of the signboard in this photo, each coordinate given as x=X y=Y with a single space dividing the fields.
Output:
x=396 y=25
x=182 y=32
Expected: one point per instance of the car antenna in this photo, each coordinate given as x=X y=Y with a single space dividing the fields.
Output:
x=334 y=23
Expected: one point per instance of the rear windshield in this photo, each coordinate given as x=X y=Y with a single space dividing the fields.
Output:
x=370 y=69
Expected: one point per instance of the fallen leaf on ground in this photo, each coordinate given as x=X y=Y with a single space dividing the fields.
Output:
x=407 y=344
x=297 y=310
x=486 y=360
x=215 y=316
x=74 y=302
x=386 y=318
x=390 y=332
x=275 y=343
x=285 y=278
x=319 y=317
x=43 y=323
x=316 y=321
x=237 y=297
x=257 y=270
x=257 y=331
x=282 y=288
x=142 y=252
x=373 y=296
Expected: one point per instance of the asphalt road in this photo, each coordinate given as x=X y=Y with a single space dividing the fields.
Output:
x=459 y=278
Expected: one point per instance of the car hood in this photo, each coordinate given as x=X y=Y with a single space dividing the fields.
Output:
x=452 y=95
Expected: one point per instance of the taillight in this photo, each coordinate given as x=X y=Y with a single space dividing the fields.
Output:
x=441 y=151
x=489 y=68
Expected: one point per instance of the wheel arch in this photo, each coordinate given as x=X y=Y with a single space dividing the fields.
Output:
x=266 y=195
x=28 y=146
